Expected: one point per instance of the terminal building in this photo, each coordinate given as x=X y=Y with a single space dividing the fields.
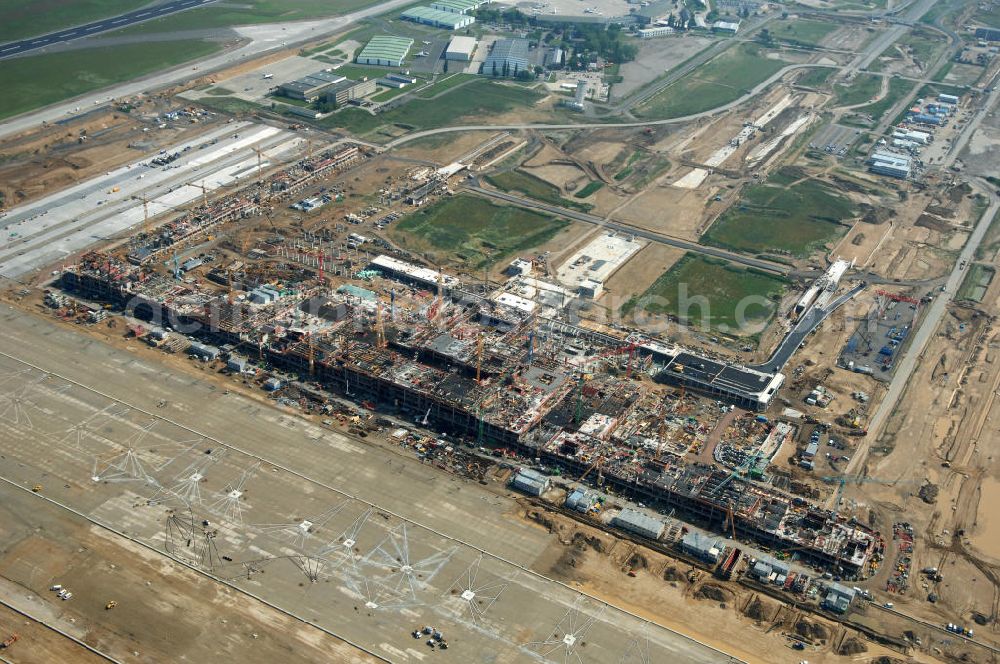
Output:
x=343 y=92
x=508 y=57
x=385 y=51
x=312 y=87
x=437 y=18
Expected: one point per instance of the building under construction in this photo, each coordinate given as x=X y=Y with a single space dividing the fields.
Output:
x=488 y=368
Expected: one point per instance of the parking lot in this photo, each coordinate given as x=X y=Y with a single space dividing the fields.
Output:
x=834 y=139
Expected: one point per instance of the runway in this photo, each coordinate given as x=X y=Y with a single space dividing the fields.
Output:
x=48 y=230
x=104 y=25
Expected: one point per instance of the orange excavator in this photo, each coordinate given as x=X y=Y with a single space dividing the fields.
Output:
x=9 y=641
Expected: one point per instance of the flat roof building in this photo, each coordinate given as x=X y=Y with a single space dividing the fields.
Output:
x=346 y=90
x=888 y=163
x=437 y=18
x=310 y=88
x=460 y=48
x=639 y=523
x=732 y=27
x=385 y=51
x=530 y=482
x=508 y=57
x=458 y=6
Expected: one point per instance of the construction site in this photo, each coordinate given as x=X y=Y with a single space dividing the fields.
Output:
x=698 y=367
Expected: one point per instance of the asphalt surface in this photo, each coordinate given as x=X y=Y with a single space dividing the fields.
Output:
x=803 y=328
x=104 y=25
x=638 y=232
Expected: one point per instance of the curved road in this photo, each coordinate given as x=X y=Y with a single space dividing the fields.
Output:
x=760 y=87
x=105 y=24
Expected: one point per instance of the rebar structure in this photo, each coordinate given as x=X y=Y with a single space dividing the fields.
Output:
x=187 y=539
x=569 y=634
x=400 y=572
x=229 y=505
x=478 y=590
x=342 y=551
x=299 y=531
x=126 y=466
x=186 y=487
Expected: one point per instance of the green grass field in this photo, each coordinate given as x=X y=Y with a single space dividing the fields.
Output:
x=795 y=220
x=248 y=12
x=533 y=187
x=590 y=188
x=40 y=80
x=808 y=33
x=862 y=89
x=475 y=231
x=30 y=18
x=445 y=83
x=898 y=88
x=710 y=293
x=482 y=97
x=723 y=79
x=976 y=281
x=814 y=78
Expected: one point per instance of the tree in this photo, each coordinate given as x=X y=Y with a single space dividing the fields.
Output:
x=506 y=68
x=494 y=68
x=446 y=65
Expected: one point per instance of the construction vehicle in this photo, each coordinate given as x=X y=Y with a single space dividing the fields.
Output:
x=36 y=488
x=9 y=641
x=110 y=605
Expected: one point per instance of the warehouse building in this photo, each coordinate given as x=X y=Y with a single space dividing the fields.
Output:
x=310 y=88
x=508 y=57
x=658 y=31
x=701 y=546
x=437 y=18
x=887 y=163
x=989 y=34
x=639 y=523
x=731 y=27
x=460 y=49
x=458 y=6
x=530 y=482
x=345 y=91
x=385 y=51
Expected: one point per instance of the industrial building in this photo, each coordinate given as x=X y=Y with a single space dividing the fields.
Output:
x=530 y=482
x=579 y=96
x=657 y=31
x=838 y=598
x=639 y=523
x=460 y=49
x=988 y=34
x=702 y=547
x=730 y=27
x=508 y=57
x=458 y=6
x=437 y=18
x=310 y=88
x=888 y=163
x=342 y=92
x=385 y=51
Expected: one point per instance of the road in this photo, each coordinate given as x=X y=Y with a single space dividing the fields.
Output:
x=262 y=39
x=878 y=45
x=935 y=312
x=652 y=236
x=763 y=85
x=803 y=328
x=11 y=49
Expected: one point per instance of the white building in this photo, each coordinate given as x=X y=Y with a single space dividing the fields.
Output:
x=658 y=31
x=460 y=49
